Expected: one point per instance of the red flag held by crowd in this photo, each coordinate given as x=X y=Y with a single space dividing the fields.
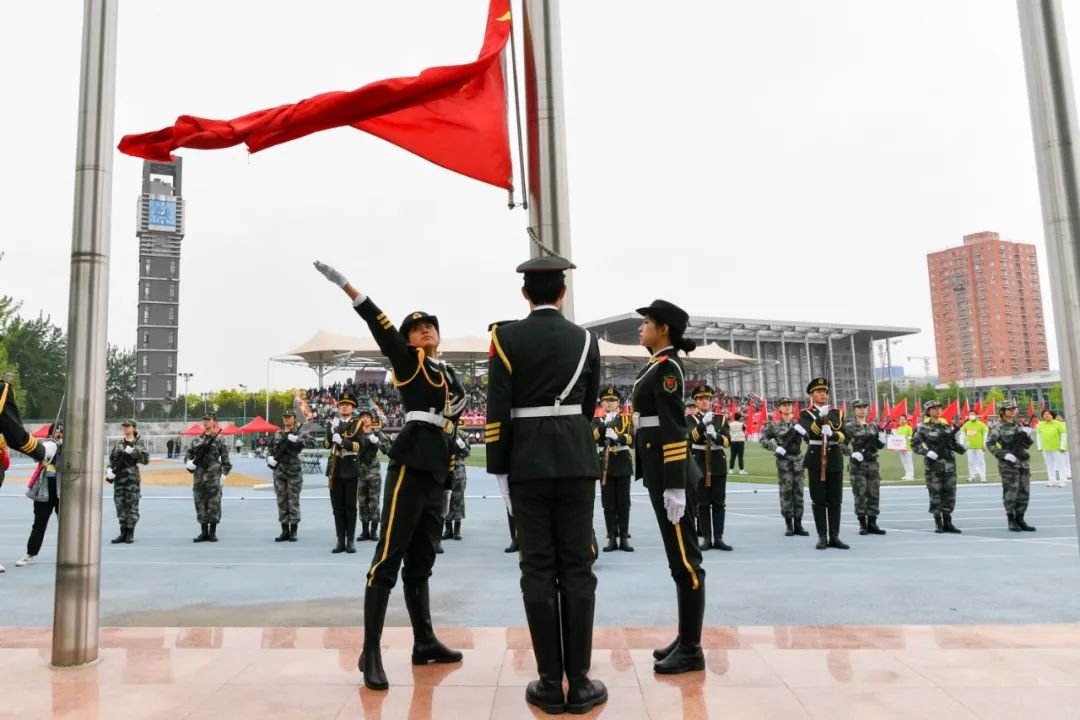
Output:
x=1031 y=408
x=763 y=416
x=898 y=410
x=918 y=411
x=979 y=408
x=950 y=412
x=967 y=410
x=452 y=115
x=990 y=410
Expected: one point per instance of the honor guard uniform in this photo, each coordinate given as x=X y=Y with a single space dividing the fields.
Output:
x=708 y=438
x=15 y=434
x=864 y=441
x=543 y=382
x=344 y=440
x=284 y=461
x=822 y=428
x=208 y=460
x=779 y=437
x=935 y=439
x=614 y=435
x=513 y=546
x=462 y=448
x=123 y=472
x=369 y=488
x=662 y=454
x=1009 y=442
x=418 y=480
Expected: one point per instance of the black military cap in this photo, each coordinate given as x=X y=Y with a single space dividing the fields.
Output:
x=1007 y=405
x=785 y=401
x=668 y=313
x=545 y=264
x=859 y=404
x=414 y=319
x=818 y=383
x=611 y=393
x=348 y=398
x=209 y=416
x=931 y=405
x=702 y=391
x=129 y=423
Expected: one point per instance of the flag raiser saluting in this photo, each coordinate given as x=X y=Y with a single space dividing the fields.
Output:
x=454 y=116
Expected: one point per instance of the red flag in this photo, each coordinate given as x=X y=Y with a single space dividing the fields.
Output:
x=978 y=408
x=886 y=411
x=1031 y=408
x=797 y=411
x=898 y=410
x=843 y=407
x=967 y=409
x=950 y=412
x=918 y=411
x=763 y=417
x=873 y=413
x=990 y=410
x=453 y=115
x=1042 y=409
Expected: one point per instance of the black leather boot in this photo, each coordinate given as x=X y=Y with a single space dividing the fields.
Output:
x=212 y=537
x=705 y=528
x=370 y=662
x=821 y=522
x=790 y=526
x=946 y=524
x=340 y=547
x=1023 y=525
x=834 y=529
x=293 y=527
x=577 y=626
x=872 y=526
x=687 y=655
x=448 y=530
x=1013 y=526
x=375 y=530
x=457 y=530
x=661 y=653
x=624 y=539
x=938 y=527
x=203 y=536
x=862 y=525
x=438 y=546
x=350 y=544
x=426 y=647
x=799 y=529
x=122 y=537
x=612 y=543
x=129 y=536
x=365 y=531
x=545 y=630
x=284 y=536
x=513 y=546
x=718 y=529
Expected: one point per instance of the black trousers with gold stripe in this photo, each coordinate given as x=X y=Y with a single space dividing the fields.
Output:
x=412 y=524
x=553 y=517
x=680 y=544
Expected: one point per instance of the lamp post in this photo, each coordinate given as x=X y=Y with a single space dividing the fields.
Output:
x=243 y=389
x=187 y=377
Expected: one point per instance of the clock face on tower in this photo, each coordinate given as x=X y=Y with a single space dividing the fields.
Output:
x=162 y=214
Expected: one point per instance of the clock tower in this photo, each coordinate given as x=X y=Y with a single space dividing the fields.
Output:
x=160 y=230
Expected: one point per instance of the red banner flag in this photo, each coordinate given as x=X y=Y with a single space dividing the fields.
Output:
x=873 y=413
x=763 y=416
x=990 y=410
x=886 y=411
x=453 y=116
x=1031 y=408
x=967 y=409
x=950 y=412
x=979 y=408
x=898 y=410
x=918 y=411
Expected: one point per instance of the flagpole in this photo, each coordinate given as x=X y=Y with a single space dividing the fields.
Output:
x=1054 y=129
x=78 y=556
x=548 y=193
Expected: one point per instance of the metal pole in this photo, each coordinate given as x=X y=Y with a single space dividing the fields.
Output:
x=854 y=365
x=1054 y=127
x=787 y=376
x=761 y=362
x=888 y=371
x=78 y=556
x=832 y=368
x=873 y=374
x=549 y=195
x=809 y=358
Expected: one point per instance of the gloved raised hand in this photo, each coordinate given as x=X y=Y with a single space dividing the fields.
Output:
x=335 y=422
x=610 y=418
x=50 y=449
x=675 y=504
x=336 y=438
x=504 y=489
x=292 y=437
x=857 y=456
x=109 y=474
x=190 y=465
x=331 y=274
x=129 y=449
x=374 y=439
x=611 y=435
x=930 y=454
x=711 y=431
x=881 y=437
x=271 y=462
x=780 y=451
x=827 y=430
x=707 y=417
x=1009 y=457
x=800 y=429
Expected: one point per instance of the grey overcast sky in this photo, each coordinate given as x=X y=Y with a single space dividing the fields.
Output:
x=776 y=159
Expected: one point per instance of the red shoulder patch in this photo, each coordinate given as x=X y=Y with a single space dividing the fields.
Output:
x=662 y=358
x=671 y=383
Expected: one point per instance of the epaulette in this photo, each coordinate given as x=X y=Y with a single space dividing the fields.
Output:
x=662 y=358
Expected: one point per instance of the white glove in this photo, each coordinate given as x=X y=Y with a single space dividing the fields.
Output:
x=780 y=451
x=271 y=462
x=224 y=475
x=1009 y=457
x=50 y=449
x=292 y=437
x=611 y=435
x=857 y=456
x=610 y=418
x=707 y=417
x=826 y=430
x=460 y=442
x=931 y=455
x=1029 y=431
x=823 y=410
x=504 y=488
x=331 y=274
x=374 y=439
x=129 y=449
x=800 y=429
x=109 y=474
x=445 y=503
x=675 y=504
x=190 y=464
x=711 y=432
x=881 y=437
x=334 y=424
x=336 y=438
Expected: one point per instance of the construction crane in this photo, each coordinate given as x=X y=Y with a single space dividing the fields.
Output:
x=926 y=359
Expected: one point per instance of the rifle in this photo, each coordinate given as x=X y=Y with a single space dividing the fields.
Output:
x=607 y=458
x=708 y=460
x=824 y=446
x=203 y=449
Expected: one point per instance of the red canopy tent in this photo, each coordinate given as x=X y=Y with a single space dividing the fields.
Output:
x=258 y=425
x=232 y=429
x=195 y=429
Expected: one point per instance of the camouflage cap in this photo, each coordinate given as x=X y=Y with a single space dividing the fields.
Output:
x=930 y=405
x=209 y=416
x=859 y=404
x=785 y=401
x=1007 y=405
x=129 y=423
x=289 y=412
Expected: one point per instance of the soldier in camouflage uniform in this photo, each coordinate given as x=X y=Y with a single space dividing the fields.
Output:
x=284 y=460
x=123 y=473
x=456 y=514
x=1009 y=442
x=865 y=439
x=935 y=439
x=369 y=488
x=208 y=459
x=778 y=438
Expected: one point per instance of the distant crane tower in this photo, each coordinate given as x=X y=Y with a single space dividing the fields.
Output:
x=926 y=362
